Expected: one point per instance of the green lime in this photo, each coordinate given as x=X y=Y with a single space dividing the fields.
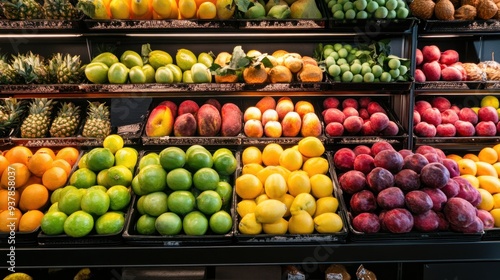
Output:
x=95 y=202
x=127 y=157
x=209 y=202
x=119 y=197
x=225 y=191
x=83 y=178
x=54 y=207
x=181 y=202
x=78 y=224
x=110 y=223
x=220 y=222
x=201 y=73
x=56 y=194
x=146 y=225
x=194 y=148
x=158 y=58
x=225 y=164
x=52 y=222
x=179 y=179
x=199 y=159
x=119 y=175
x=99 y=159
x=187 y=77
x=155 y=203
x=177 y=71
x=136 y=75
x=82 y=163
x=185 y=59
x=66 y=189
x=70 y=202
x=195 y=223
x=102 y=178
x=206 y=179
x=168 y=223
x=98 y=187
x=140 y=205
x=136 y=187
x=149 y=159
x=394 y=63
x=153 y=178
x=172 y=158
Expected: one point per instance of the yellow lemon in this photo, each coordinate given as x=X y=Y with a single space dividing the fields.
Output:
x=311 y=147
x=488 y=154
x=288 y=200
x=497 y=149
x=496 y=216
x=251 y=168
x=268 y=170
x=261 y=198
x=325 y=205
x=472 y=180
x=162 y=7
x=291 y=159
x=207 y=10
x=187 y=9
x=298 y=182
x=119 y=9
x=248 y=186
x=496 y=200
x=321 y=186
x=301 y=223
x=113 y=142
x=270 y=211
x=489 y=183
x=328 y=223
x=467 y=166
x=303 y=201
x=275 y=186
x=315 y=165
x=271 y=154
x=249 y=225
x=490 y=100
x=245 y=206
x=485 y=168
x=487 y=202
x=279 y=227
x=251 y=155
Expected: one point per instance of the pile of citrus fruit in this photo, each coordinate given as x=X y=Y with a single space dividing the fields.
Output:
x=97 y=194
x=184 y=191
x=482 y=170
x=286 y=190
x=27 y=179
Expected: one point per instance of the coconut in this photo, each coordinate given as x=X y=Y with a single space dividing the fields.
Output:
x=444 y=10
x=486 y=9
x=473 y=3
x=466 y=12
x=423 y=9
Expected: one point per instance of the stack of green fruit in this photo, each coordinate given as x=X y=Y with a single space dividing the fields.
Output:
x=345 y=63
x=367 y=9
x=184 y=191
x=98 y=193
x=151 y=66
x=279 y=9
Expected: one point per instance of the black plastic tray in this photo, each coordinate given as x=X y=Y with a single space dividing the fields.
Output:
x=371 y=25
x=157 y=87
x=40 y=25
x=453 y=142
x=40 y=88
x=460 y=26
x=338 y=237
x=491 y=234
x=91 y=239
x=449 y=85
x=375 y=86
x=492 y=84
x=153 y=25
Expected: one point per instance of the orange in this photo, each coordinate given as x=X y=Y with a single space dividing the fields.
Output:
x=69 y=154
x=30 y=220
x=39 y=162
x=48 y=151
x=19 y=154
x=488 y=154
x=251 y=155
x=10 y=217
x=31 y=180
x=3 y=163
x=33 y=197
x=206 y=10
x=271 y=154
x=62 y=164
x=54 y=178
x=16 y=174
x=6 y=198
x=470 y=156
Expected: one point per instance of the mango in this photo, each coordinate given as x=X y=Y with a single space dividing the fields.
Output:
x=164 y=75
x=185 y=125
x=107 y=58
x=118 y=73
x=136 y=75
x=201 y=73
x=305 y=9
x=158 y=58
x=311 y=125
x=97 y=72
x=209 y=120
x=131 y=58
x=231 y=117
x=291 y=124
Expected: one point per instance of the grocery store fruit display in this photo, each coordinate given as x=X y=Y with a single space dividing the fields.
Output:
x=368 y=9
x=185 y=192
x=32 y=68
x=358 y=64
x=303 y=9
x=286 y=190
x=439 y=117
x=276 y=118
x=190 y=119
x=352 y=116
x=11 y=111
x=28 y=178
x=482 y=170
x=453 y=10
x=255 y=67
x=435 y=65
x=403 y=191
x=97 y=194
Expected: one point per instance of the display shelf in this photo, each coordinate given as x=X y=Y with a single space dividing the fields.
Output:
x=376 y=252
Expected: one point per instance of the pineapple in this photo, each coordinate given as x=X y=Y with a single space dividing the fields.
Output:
x=10 y=113
x=22 y=9
x=98 y=123
x=60 y=9
x=37 y=122
x=54 y=62
x=70 y=71
x=7 y=73
x=31 y=68
x=66 y=121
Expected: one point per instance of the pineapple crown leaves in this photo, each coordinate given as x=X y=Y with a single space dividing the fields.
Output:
x=41 y=106
x=68 y=109
x=87 y=7
x=239 y=61
x=98 y=110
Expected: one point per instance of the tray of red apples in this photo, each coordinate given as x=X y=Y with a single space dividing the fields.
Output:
x=360 y=120
x=467 y=120
x=399 y=194
x=437 y=69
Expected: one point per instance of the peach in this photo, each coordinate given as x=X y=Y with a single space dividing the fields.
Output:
x=273 y=129
x=465 y=128
x=185 y=125
x=283 y=107
x=291 y=124
x=352 y=181
x=460 y=68
x=364 y=101
x=253 y=128
x=303 y=107
x=451 y=73
x=353 y=124
x=446 y=130
x=343 y=159
x=487 y=113
x=214 y=102
x=209 y=120
x=188 y=106
x=269 y=115
x=431 y=53
x=425 y=129
x=486 y=128
x=363 y=201
x=440 y=102
x=362 y=149
x=419 y=57
x=432 y=71
x=468 y=115
x=333 y=115
x=379 y=121
x=432 y=116
x=334 y=129
x=350 y=102
x=350 y=111
x=311 y=125
x=331 y=102
x=367 y=129
x=455 y=108
x=364 y=163
x=363 y=113
x=379 y=178
x=421 y=106
x=449 y=116
x=449 y=57
x=265 y=103
x=252 y=113
x=424 y=149
x=392 y=129
x=419 y=76
x=374 y=107
x=379 y=146
x=416 y=117
x=160 y=122
x=172 y=106
x=231 y=119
